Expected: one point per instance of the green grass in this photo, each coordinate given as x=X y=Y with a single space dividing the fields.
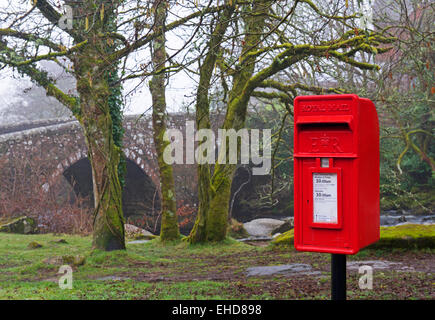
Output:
x=408 y=236
x=29 y=273
x=173 y=271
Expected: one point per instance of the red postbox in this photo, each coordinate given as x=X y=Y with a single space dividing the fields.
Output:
x=336 y=173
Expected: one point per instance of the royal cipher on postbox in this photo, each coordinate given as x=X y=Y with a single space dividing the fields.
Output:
x=336 y=173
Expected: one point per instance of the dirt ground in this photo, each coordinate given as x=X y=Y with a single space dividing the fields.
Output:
x=232 y=270
x=396 y=275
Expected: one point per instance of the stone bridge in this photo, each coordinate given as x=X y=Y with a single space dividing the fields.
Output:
x=51 y=156
x=55 y=150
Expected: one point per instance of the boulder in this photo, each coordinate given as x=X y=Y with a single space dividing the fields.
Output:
x=137 y=233
x=402 y=219
x=21 y=225
x=262 y=227
x=286 y=226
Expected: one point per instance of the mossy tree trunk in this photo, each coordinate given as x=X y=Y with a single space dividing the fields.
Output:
x=169 y=224
x=92 y=33
x=102 y=137
x=215 y=193
x=199 y=231
x=103 y=154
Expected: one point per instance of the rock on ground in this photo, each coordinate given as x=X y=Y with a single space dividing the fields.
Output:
x=21 y=225
x=77 y=260
x=262 y=227
x=137 y=233
x=286 y=269
x=138 y=241
x=379 y=265
x=34 y=245
x=286 y=226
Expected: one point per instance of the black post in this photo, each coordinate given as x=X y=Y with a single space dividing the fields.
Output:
x=338 y=277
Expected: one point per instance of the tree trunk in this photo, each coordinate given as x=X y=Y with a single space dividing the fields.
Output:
x=223 y=174
x=104 y=155
x=216 y=198
x=103 y=137
x=199 y=231
x=169 y=224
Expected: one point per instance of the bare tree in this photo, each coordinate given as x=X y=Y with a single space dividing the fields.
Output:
x=169 y=225
x=87 y=40
x=276 y=37
x=243 y=46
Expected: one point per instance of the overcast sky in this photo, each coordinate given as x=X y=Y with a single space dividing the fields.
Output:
x=179 y=90
x=179 y=87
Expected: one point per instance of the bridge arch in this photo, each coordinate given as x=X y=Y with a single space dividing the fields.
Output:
x=140 y=197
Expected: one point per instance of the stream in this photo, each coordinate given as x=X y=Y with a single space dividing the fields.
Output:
x=262 y=229
x=398 y=217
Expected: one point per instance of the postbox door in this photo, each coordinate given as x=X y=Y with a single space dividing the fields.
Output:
x=327 y=202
